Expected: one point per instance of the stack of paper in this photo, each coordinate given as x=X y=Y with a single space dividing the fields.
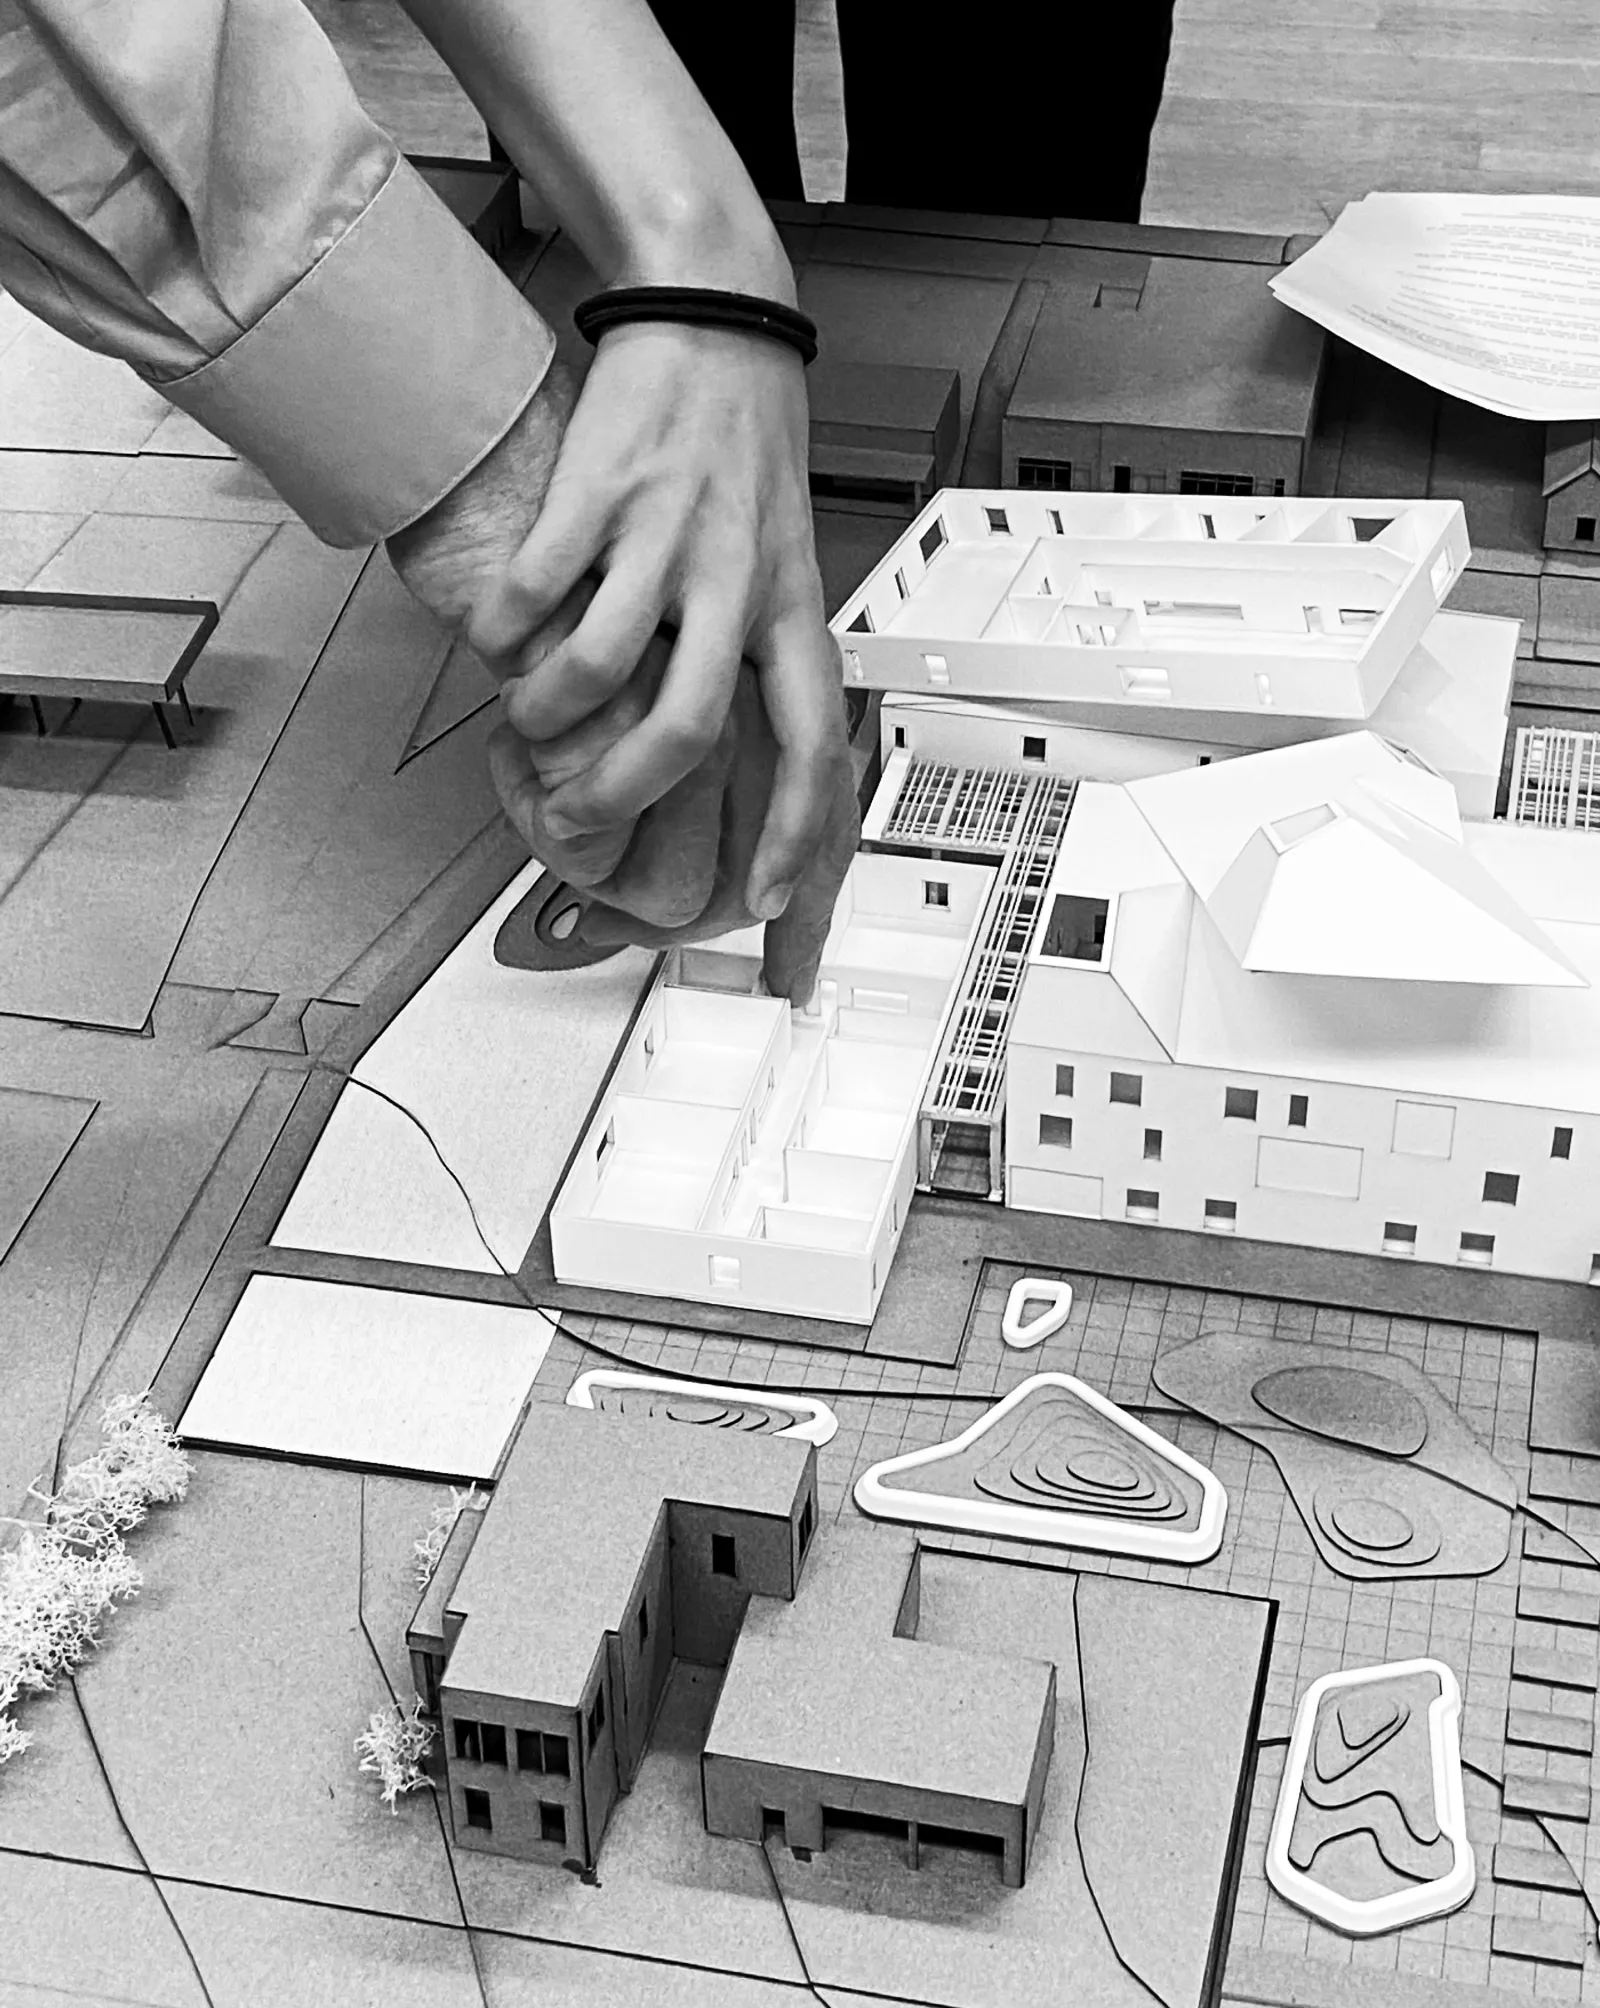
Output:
x=1492 y=298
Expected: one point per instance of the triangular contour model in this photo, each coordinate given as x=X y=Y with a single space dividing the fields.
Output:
x=1056 y=1462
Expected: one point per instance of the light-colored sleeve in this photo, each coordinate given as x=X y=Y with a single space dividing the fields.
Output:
x=191 y=185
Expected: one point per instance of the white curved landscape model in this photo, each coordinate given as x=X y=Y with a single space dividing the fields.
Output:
x=1056 y=1299
x=1081 y=1473
x=814 y=1422
x=1349 y=1755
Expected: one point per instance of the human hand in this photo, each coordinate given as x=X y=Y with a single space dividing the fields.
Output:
x=681 y=482
x=688 y=859
x=682 y=872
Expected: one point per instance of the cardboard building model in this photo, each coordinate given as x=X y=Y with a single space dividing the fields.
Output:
x=882 y=432
x=1572 y=486
x=614 y=1545
x=1110 y=396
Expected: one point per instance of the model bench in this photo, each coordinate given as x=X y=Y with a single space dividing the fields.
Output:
x=104 y=645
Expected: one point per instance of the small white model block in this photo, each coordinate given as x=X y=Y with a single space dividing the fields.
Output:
x=1299 y=608
x=1054 y=1525
x=748 y=1154
x=1055 y=1307
x=814 y=1422
x=1364 y=1919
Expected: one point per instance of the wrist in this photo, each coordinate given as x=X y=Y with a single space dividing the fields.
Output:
x=731 y=246
x=471 y=534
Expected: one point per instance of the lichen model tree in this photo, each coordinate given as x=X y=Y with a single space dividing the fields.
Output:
x=69 y=1566
x=395 y=1744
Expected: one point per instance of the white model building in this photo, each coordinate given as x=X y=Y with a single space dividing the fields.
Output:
x=1303 y=608
x=1449 y=704
x=747 y=1153
x=1293 y=996
x=1188 y=930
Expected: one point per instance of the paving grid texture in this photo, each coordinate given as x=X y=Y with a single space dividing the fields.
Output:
x=1325 y=1622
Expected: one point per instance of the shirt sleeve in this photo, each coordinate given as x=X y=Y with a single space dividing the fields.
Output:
x=192 y=186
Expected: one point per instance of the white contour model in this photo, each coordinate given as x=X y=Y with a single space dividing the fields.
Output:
x=1052 y=1525
x=1404 y=1906
x=1055 y=1302
x=814 y=1422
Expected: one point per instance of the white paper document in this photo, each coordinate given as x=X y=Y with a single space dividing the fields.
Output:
x=1492 y=298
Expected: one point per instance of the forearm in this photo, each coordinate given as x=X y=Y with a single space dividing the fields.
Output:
x=594 y=107
x=190 y=185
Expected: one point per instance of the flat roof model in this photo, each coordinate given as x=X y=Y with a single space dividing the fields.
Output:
x=1207 y=351
x=1299 y=607
x=564 y=1539
x=832 y=1702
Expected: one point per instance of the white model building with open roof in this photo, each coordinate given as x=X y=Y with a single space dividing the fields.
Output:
x=1302 y=608
x=751 y=1154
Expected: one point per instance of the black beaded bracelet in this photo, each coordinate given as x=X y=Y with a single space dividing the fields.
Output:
x=701 y=307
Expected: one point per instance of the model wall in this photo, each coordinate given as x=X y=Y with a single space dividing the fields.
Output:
x=640 y=1652
x=974 y=738
x=1157 y=458
x=514 y=1794
x=1337 y=1182
x=738 y=1791
x=761 y=1275
x=708 y=1608
x=1302 y=676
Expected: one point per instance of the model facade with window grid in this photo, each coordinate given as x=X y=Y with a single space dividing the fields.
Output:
x=1292 y=996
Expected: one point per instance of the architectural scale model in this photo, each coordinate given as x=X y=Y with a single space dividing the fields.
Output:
x=256 y=1045
x=1214 y=1023
x=748 y=1153
x=1109 y=396
x=1293 y=996
x=1572 y=485
x=547 y=1689
x=1306 y=609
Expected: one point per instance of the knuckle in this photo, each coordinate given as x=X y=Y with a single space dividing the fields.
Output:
x=689 y=732
x=588 y=670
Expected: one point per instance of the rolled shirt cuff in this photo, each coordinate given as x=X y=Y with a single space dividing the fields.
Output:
x=383 y=377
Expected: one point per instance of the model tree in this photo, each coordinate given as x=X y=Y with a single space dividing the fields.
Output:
x=69 y=1566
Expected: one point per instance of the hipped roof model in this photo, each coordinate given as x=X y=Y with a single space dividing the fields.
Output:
x=1344 y=857
x=1407 y=951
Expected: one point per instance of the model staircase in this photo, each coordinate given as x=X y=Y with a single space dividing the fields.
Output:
x=1015 y=819
x=1555 y=779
